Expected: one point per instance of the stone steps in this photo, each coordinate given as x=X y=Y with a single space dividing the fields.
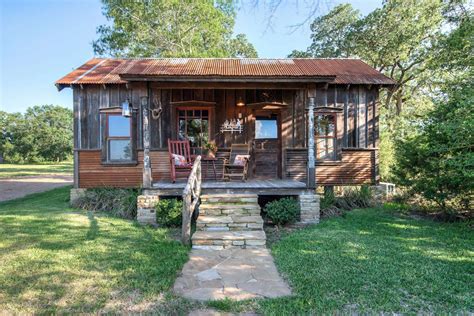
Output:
x=229 y=220
x=218 y=240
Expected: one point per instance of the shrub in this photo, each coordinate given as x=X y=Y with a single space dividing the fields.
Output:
x=351 y=198
x=168 y=212
x=283 y=211
x=118 y=202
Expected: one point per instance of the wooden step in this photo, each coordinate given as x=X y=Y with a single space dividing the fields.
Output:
x=225 y=239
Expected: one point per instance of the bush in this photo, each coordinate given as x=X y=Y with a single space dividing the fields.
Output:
x=283 y=211
x=118 y=202
x=168 y=212
x=437 y=161
x=351 y=198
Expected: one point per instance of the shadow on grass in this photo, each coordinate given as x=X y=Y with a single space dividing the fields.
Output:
x=54 y=259
x=375 y=261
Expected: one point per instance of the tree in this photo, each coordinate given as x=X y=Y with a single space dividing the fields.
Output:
x=43 y=133
x=332 y=32
x=438 y=161
x=170 y=28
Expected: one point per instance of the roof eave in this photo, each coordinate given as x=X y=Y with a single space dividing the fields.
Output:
x=265 y=79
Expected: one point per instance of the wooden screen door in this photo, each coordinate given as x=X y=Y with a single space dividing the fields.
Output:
x=267 y=145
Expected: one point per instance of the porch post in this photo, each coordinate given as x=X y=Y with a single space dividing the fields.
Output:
x=146 y=145
x=311 y=171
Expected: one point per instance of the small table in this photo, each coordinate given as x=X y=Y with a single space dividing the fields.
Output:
x=207 y=160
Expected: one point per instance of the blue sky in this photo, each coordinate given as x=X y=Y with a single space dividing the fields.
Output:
x=40 y=41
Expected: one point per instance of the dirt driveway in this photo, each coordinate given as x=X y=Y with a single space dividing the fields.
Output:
x=18 y=187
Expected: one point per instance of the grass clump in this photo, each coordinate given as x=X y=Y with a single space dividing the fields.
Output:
x=283 y=211
x=118 y=202
x=168 y=212
x=351 y=198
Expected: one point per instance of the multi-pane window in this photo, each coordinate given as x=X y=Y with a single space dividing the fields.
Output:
x=193 y=124
x=325 y=127
x=119 y=144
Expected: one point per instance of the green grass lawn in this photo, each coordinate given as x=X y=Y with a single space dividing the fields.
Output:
x=376 y=261
x=15 y=170
x=54 y=259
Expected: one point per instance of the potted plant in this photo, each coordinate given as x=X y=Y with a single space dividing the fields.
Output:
x=211 y=149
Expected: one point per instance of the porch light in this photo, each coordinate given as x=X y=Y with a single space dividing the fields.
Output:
x=126 y=108
x=240 y=102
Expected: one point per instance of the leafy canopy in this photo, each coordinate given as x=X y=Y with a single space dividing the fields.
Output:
x=42 y=133
x=438 y=161
x=171 y=28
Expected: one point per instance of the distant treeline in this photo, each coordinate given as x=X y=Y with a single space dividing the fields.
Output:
x=41 y=134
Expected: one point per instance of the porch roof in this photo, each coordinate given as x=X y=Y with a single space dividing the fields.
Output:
x=119 y=71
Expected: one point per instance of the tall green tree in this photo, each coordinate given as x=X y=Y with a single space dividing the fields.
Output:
x=438 y=160
x=171 y=28
x=331 y=33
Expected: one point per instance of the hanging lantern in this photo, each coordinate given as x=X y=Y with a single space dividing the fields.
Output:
x=126 y=108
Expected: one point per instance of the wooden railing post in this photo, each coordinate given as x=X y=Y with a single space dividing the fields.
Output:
x=191 y=194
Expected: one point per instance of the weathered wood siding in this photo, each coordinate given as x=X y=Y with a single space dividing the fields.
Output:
x=357 y=122
x=357 y=166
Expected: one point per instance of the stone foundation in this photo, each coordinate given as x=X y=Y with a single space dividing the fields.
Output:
x=146 y=214
x=76 y=194
x=309 y=204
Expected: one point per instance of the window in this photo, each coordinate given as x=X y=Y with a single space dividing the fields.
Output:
x=325 y=127
x=119 y=145
x=193 y=124
x=266 y=128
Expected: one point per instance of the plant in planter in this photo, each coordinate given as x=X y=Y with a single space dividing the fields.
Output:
x=210 y=148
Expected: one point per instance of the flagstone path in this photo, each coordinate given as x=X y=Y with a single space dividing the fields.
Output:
x=232 y=273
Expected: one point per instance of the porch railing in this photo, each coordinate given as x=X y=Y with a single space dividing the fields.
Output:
x=191 y=194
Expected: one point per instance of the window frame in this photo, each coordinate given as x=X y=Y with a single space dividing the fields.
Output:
x=193 y=108
x=271 y=118
x=333 y=137
x=108 y=138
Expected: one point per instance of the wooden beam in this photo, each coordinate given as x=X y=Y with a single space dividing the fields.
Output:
x=311 y=171
x=147 y=178
x=228 y=85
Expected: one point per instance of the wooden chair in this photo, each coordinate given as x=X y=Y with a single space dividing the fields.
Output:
x=237 y=170
x=181 y=148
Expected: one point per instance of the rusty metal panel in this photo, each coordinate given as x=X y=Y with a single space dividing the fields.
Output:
x=109 y=71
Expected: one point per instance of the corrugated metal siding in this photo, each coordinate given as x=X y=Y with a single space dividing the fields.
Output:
x=108 y=71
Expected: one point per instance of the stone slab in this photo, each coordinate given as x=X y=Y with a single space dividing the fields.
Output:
x=235 y=273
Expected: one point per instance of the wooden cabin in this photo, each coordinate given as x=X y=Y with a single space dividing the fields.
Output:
x=308 y=122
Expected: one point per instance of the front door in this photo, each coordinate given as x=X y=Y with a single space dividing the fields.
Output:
x=267 y=146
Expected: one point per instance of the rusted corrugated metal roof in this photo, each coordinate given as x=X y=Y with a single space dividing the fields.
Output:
x=113 y=71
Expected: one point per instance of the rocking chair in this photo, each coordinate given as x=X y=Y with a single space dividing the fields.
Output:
x=181 y=160
x=237 y=165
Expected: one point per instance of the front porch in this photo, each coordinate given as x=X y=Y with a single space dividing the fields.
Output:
x=254 y=186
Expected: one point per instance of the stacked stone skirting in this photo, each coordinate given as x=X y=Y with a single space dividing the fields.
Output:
x=310 y=208
x=146 y=214
x=76 y=194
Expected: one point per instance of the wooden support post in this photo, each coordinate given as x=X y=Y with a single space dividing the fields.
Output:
x=146 y=147
x=311 y=171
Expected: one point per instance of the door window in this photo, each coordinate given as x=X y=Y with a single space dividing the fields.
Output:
x=266 y=128
x=193 y=125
